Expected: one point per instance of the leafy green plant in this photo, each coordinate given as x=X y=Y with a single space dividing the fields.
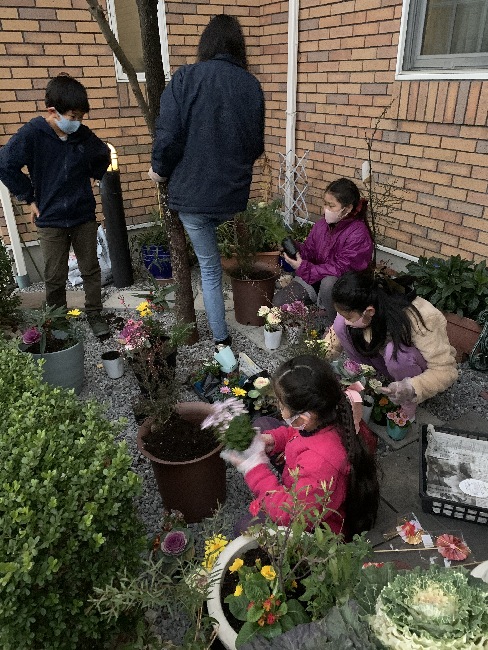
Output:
x=304 y=557
x=9 y=301
x=258 y=229
x=154 y=235
x=453 y=284
x=66 y=511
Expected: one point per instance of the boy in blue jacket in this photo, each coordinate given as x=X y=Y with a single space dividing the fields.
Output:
x=61 y=156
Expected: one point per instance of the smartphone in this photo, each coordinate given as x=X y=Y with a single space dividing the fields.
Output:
x=289 y=247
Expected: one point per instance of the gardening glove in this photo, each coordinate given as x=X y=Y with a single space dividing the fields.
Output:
x=399 y=392
x=155 y=177
x=251 y=457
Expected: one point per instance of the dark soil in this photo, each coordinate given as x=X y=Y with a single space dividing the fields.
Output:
x=180 y=441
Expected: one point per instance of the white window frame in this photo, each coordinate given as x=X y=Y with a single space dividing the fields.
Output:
x=163 y=31
x=408 y=7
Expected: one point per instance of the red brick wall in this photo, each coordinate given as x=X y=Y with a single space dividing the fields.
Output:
x=432 y=143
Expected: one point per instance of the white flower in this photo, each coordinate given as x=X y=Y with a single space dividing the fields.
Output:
x=260 y=383
x=375 y=384
x=263 y=311
x=273 y=319
x=262 y=204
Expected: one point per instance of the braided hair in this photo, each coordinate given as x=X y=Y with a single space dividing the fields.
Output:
x=357 y=290
x=308 y=383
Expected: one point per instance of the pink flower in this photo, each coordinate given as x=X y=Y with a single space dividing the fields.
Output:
x=352 y=368
x=452 y=548
x=225 y=389
x=174 y=543
x=31 y=336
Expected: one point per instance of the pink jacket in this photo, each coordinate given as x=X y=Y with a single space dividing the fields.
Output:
x=319 y=457
x=334 y=250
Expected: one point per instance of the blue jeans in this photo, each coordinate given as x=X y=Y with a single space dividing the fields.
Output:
x=201 y=231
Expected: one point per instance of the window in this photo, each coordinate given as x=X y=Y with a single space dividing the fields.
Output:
x=124 y=21
x=443 y=39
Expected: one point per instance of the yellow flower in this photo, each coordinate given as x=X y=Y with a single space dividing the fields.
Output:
x=226 y=382
x=144 y=309
x=268 y=572
x=238 y=392
x=238 y=590
x=383 y=401
x=314 y=334
x=236 y=565
x=213 y=548
x=73 y=313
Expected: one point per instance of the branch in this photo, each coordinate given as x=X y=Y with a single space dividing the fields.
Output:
x=99 y=15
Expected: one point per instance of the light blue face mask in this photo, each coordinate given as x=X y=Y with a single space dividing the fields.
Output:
x=67 y=126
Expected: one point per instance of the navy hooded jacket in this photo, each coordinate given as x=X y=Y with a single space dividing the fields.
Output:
x=59 y=172
x=209 y=132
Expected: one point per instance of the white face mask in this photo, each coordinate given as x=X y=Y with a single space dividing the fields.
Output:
x=333 y=217
x=357 y=324
x=290 y=421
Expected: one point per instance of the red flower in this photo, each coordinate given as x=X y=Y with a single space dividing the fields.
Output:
x=267 y=605
x=270 y=619
x=251 y=604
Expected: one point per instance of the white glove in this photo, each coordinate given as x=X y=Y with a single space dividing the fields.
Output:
x=155 y=177
x=399 y=392
x=251 y=457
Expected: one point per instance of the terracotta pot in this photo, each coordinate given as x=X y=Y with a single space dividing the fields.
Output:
x=195 y=487
x=268 y=260
x=462 y=333
x=250 y=295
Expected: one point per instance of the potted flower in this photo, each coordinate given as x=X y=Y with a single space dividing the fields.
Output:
x=258 y=229
x=150 y=345
x=53 y=336
x=276 y=578
x=457 y=287
x=397 y=424
x=294 y=315
x=272 y=326
x=382 y=406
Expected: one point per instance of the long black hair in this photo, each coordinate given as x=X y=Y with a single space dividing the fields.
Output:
x=347 y=193
x=308 y=383
x=223 y=35
x=357 y=290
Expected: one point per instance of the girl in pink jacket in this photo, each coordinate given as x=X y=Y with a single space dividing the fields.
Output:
x=338 y=243
x=319 y=444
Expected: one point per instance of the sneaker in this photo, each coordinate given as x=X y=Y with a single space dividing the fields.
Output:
x=98 y=325
x=223 y=344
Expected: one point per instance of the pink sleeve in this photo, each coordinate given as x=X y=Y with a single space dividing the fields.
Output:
x=276 y=499
x=281 y=436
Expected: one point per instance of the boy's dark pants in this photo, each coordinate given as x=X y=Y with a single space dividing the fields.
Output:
x=55 y=244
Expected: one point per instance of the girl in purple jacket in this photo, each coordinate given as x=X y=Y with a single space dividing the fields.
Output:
x=319 y=444
x=338 y=243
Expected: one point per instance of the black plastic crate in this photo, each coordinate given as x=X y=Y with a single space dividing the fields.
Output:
x=444 y=507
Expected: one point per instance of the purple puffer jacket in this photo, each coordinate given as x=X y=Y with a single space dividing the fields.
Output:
x=334 y=250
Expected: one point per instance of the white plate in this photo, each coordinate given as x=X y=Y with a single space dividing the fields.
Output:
x=475 y=488
x=481 y=571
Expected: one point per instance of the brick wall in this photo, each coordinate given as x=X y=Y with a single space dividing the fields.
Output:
x=432 y=144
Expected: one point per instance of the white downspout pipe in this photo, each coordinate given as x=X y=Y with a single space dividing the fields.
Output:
x=291 y=103
x=22 y=277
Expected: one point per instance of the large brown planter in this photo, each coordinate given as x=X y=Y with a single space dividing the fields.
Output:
x=250 y=295
x=268 y=260
x=462 y=333
x=195 y=487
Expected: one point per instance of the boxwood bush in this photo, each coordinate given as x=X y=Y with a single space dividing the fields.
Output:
x=67 y=519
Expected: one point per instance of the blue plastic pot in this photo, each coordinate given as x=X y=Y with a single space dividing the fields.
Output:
x=157 y=261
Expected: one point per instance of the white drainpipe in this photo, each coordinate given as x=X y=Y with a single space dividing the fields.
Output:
x=22 y=277
x=291 y=101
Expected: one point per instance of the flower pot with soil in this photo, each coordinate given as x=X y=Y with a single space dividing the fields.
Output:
x=187 y=466
x=251 y=289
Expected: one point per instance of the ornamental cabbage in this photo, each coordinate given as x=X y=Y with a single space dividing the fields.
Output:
x=441 y=609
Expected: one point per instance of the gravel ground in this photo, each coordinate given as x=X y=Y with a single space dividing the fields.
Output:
x=463 y=397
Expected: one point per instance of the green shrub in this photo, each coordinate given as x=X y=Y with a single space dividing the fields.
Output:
x=67 y=517
x=8 y=300
x=453 y=284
